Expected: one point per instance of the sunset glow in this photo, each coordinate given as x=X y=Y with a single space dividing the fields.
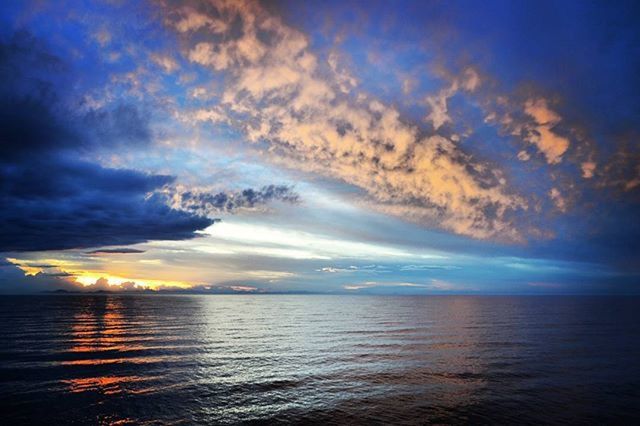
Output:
x=208 y=145
x=337 y=212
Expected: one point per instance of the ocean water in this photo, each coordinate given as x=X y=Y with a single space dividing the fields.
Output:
x=165 y=359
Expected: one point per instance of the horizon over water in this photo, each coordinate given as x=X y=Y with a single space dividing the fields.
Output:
x=331 y=359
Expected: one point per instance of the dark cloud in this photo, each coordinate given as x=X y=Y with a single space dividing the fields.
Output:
x=63 y=205
x=207 y=203
x=34 y=90
x=57 y=274
x=116 y=250
x=52 y=199
x=607 y=233
x=14 y=280
x=124 y=124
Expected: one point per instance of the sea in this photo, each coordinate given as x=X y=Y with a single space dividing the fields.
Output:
x=313 y=359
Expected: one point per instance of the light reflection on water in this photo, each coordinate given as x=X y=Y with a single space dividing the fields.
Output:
x=124 y=359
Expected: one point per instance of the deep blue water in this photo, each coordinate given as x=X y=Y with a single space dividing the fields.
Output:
x=150 y=359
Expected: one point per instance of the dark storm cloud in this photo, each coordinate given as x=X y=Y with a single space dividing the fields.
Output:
x=14 y=280
x=89 y=219
x=52 y=199
x=56 y=274
x=37 y=115
x=124 y=124
x=229 y=201
x=117 y=251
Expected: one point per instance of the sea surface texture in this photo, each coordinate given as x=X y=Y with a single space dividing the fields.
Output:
x=202 y=359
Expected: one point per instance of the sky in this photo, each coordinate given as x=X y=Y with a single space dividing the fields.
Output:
x=423 y=147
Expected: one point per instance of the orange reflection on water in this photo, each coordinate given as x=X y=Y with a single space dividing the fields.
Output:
x=119 y=422
x=99 y=329
x=108 y=385
x=128 y=360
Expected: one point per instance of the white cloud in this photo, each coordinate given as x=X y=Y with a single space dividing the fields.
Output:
x=437 y=285
x=242 y=237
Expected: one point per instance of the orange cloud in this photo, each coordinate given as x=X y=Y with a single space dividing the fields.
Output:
x=314 y=118
x=552 y=145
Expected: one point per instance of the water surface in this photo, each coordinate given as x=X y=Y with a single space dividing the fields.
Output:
x=165 y=359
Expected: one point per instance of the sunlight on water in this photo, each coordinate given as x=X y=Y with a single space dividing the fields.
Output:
x=333 y=359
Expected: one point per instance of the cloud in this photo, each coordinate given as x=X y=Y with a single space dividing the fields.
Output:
x=14 y=280
x=57 y=274
x=442 y=285
x=314 y=118
x=243 y=288
x=532 y=121
x=334 y=270
x=558 y=199
x=552 y=145
x=621 y=171
x=122 y=250
x=122 y=125
x=102 y=36
x=44 y=118
x=375 y=286
x=166 y=62
x=191 y=20
x=52 y=199
x=101 y=284
x=387 y=286
x=588 y=169
x=438 y=115
x=58 y=204
x=207 y=203
x=367 y=269
x=429 y=267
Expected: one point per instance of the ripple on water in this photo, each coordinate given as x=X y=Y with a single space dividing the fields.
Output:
x=112 y=359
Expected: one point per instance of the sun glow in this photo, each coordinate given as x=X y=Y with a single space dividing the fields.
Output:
x=71 y=272
x=91 y=278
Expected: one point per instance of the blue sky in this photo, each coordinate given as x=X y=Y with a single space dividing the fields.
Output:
x=388 y=148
